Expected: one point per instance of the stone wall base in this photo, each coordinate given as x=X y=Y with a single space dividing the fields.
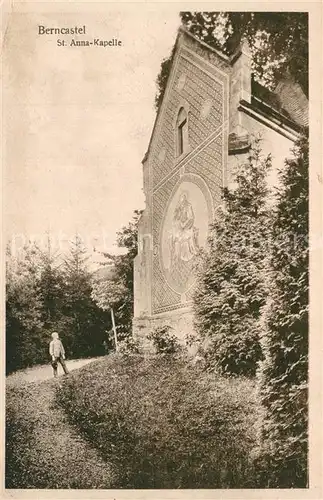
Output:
x=181 y=321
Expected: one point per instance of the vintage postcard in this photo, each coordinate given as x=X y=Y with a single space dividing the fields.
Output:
x=162 y=250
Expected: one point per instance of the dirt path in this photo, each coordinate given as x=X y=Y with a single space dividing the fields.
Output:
x=43 y=449
x=43 y=372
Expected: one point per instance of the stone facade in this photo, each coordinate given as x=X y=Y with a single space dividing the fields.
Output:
x=200 y=132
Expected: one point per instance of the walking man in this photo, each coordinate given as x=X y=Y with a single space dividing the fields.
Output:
x=57 y=352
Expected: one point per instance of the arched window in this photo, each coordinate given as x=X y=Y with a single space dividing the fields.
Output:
x=182 y=132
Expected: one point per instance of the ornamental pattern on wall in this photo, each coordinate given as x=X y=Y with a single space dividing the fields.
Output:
x=174 y=275
x=184 y=231
x=199 y=87
x=184 y=192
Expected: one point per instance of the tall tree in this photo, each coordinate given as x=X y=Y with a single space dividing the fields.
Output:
x=278 y=41
x=115 y=289
x=85 y=323
x=44 y=293
x=230 y=290
x=284 y=372
x=26 y=343
x=51 y=286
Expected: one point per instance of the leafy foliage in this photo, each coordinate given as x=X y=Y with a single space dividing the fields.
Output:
x=45 y=294
x=162 y=78
x=230 y=290
x=278 y=41
x=108 y=293
x=51 y=287
x=86 y=324
x=163 y=423
x=164 y=340
x=116 y=288
x=128 y=346
x=24 y=324
x=284 y=372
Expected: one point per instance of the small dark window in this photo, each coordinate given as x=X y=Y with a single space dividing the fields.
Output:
x=182 y=132
x=181 y=139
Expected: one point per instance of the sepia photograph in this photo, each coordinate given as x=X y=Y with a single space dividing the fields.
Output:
x=156 y=247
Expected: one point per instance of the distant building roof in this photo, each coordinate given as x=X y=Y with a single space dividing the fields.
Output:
x=294 y=101
x=287 y=99
x=106 y=272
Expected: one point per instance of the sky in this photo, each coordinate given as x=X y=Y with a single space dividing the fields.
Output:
x=78 y=119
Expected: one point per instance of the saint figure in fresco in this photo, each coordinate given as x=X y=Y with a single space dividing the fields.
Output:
x=184 y=235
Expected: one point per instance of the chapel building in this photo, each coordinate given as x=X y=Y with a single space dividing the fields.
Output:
x=210 y=111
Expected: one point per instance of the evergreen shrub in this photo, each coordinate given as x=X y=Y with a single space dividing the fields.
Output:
x=283 y=375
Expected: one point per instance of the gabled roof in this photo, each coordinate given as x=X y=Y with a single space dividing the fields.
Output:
x=182 y=31
x=287 y=100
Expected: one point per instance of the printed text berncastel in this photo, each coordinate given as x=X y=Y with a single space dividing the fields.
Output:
x=77 y=30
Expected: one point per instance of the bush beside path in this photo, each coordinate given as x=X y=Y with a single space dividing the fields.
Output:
x=130 y=422
x=42 y=449
x=164 y=422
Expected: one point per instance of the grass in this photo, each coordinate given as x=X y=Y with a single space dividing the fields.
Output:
x=164 y=423
x=42 y=449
